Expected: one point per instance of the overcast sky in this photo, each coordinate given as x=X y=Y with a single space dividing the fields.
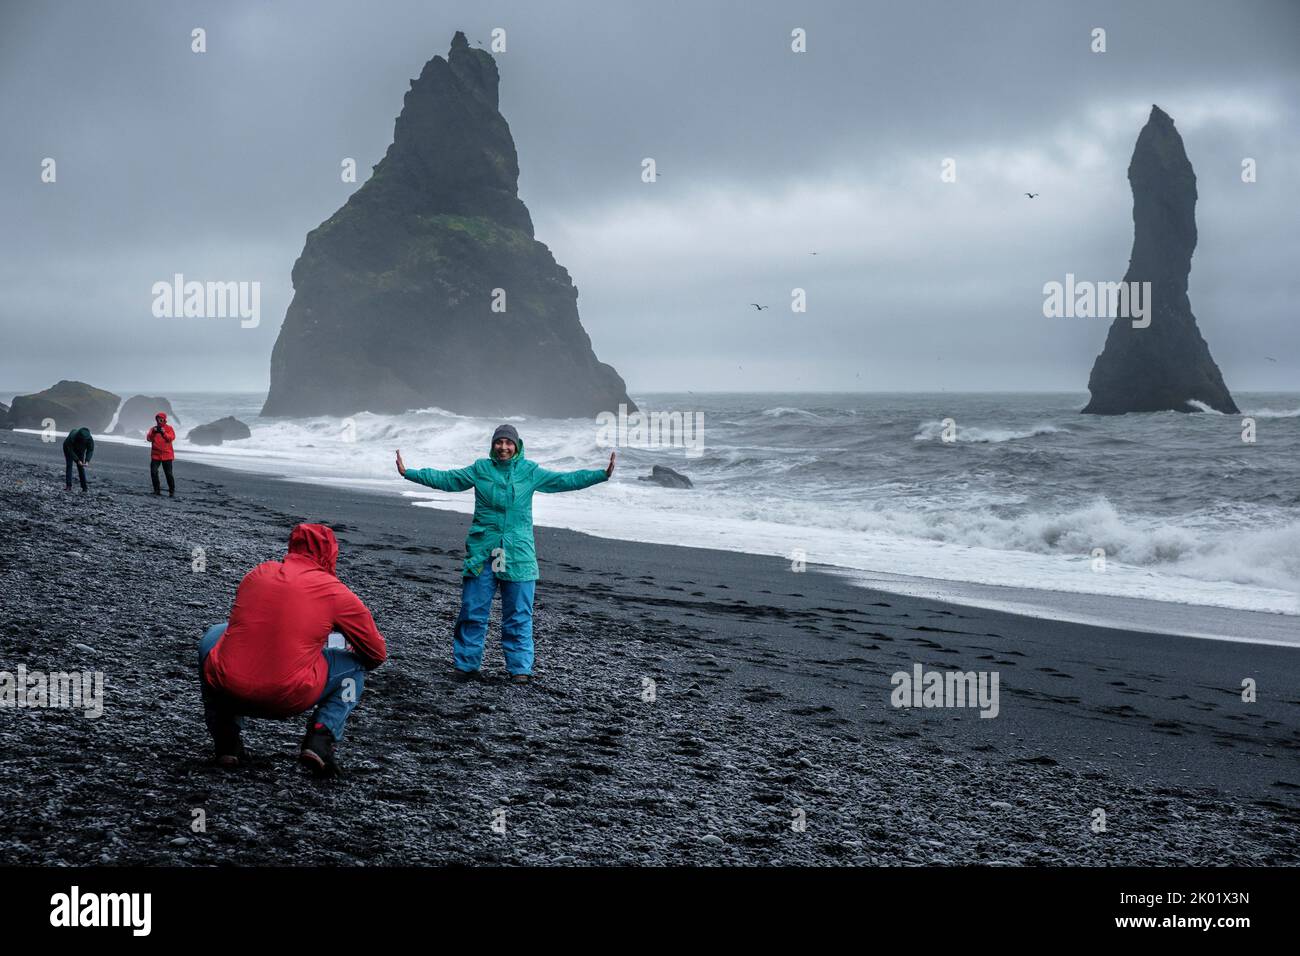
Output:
x=216 y=165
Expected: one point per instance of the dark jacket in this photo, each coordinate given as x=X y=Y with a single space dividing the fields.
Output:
x=79 y=445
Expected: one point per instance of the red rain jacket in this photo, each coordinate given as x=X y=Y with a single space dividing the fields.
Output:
x=270 y=655
x=161 y=438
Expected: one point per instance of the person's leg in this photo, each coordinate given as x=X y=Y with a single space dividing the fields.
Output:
x=81 y=473
x=67 y=473
x=171 y=479
x=218 y=713
x=517 y=625
x=343 y=687
x=153 y=475
x=471 y=626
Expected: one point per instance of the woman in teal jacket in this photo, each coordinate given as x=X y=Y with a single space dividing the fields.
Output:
x=499 y=549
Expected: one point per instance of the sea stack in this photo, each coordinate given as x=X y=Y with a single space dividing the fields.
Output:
x=1166 y=365
x=427 y=287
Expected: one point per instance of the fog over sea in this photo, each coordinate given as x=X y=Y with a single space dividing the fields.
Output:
x=1187 y=514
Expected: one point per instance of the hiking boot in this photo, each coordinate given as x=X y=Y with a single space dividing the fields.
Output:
x=520 y=678
x=318 y=752
x=462 y=677
x=230 y=752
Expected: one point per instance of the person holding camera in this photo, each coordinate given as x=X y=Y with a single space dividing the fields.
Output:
x=160 y=439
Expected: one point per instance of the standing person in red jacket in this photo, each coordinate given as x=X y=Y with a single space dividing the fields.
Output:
x=274 y=658
x=160 y=438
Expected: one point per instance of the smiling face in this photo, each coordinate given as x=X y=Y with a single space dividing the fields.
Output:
x=503 y=449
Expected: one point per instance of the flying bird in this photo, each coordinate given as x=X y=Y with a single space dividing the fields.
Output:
x=1031 y=195
x=1270 y=358
x=759 y=307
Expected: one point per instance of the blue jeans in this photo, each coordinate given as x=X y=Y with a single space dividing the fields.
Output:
x=516 y=622
x=344 y=683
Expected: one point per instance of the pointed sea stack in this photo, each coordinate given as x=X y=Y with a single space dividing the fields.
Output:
x=394 y=293
x=1166 y=365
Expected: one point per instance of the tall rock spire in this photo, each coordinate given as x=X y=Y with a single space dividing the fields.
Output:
x=394 y=294
x=1165 y=365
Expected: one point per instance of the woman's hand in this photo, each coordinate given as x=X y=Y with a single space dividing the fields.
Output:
x=610 y=470
x=401 y=467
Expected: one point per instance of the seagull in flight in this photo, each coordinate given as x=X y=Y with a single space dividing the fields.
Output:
x=759 y=307
x=1031 y=195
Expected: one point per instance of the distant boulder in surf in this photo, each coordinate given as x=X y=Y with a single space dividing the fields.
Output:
x=427 y=288
x=4 y=416
x=667 y=478
x=137 y=412
x=70 y=404
x=223 y=429
x=1166 y=365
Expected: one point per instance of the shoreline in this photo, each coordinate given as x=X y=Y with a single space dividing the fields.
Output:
x=1117 y=611
x=773 y=695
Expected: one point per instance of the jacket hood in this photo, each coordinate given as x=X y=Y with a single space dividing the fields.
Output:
x=317 y=542
x=163 y=416
x=519 y=452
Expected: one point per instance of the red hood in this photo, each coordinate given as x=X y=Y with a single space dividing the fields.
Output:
x=163 y=416
x=317 y=542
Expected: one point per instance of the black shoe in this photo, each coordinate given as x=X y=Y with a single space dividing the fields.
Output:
x=157 y=493
x=462 y=677
x=318 y=752
x=520 y=678
x=171 y=494
x=231 y=752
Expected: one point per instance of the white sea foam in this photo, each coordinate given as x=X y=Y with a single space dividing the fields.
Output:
x=933 y=431
x=763 y=496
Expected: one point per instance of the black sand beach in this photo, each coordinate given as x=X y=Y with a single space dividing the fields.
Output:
x=772 y=695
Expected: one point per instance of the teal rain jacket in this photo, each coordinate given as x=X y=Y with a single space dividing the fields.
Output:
x=503 y=508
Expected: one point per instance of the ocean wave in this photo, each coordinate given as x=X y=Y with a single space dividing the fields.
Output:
x=1250 y=413
x=781 y=411
x=929 y=431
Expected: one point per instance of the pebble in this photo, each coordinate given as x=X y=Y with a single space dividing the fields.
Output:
x=84 y=647
x=180 y=841
x=712 y=840
x=1001 y=805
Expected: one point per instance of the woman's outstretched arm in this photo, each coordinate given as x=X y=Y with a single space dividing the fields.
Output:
x=553 y=481
x=457 y=479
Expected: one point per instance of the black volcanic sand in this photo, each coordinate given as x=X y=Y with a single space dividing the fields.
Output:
x=772 y=694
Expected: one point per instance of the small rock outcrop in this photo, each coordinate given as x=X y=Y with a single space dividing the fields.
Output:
x=70 y=404
x=427 y=288
x=667 y=478
x=1167 y=365
x=222 y=430
x=137 y=412
x=4 y=416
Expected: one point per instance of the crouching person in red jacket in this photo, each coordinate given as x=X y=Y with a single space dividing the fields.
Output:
x=274 y=658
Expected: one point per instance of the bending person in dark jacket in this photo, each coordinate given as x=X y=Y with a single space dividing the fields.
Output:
x=276 y=656
x=78 y=448
x=499 y=550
